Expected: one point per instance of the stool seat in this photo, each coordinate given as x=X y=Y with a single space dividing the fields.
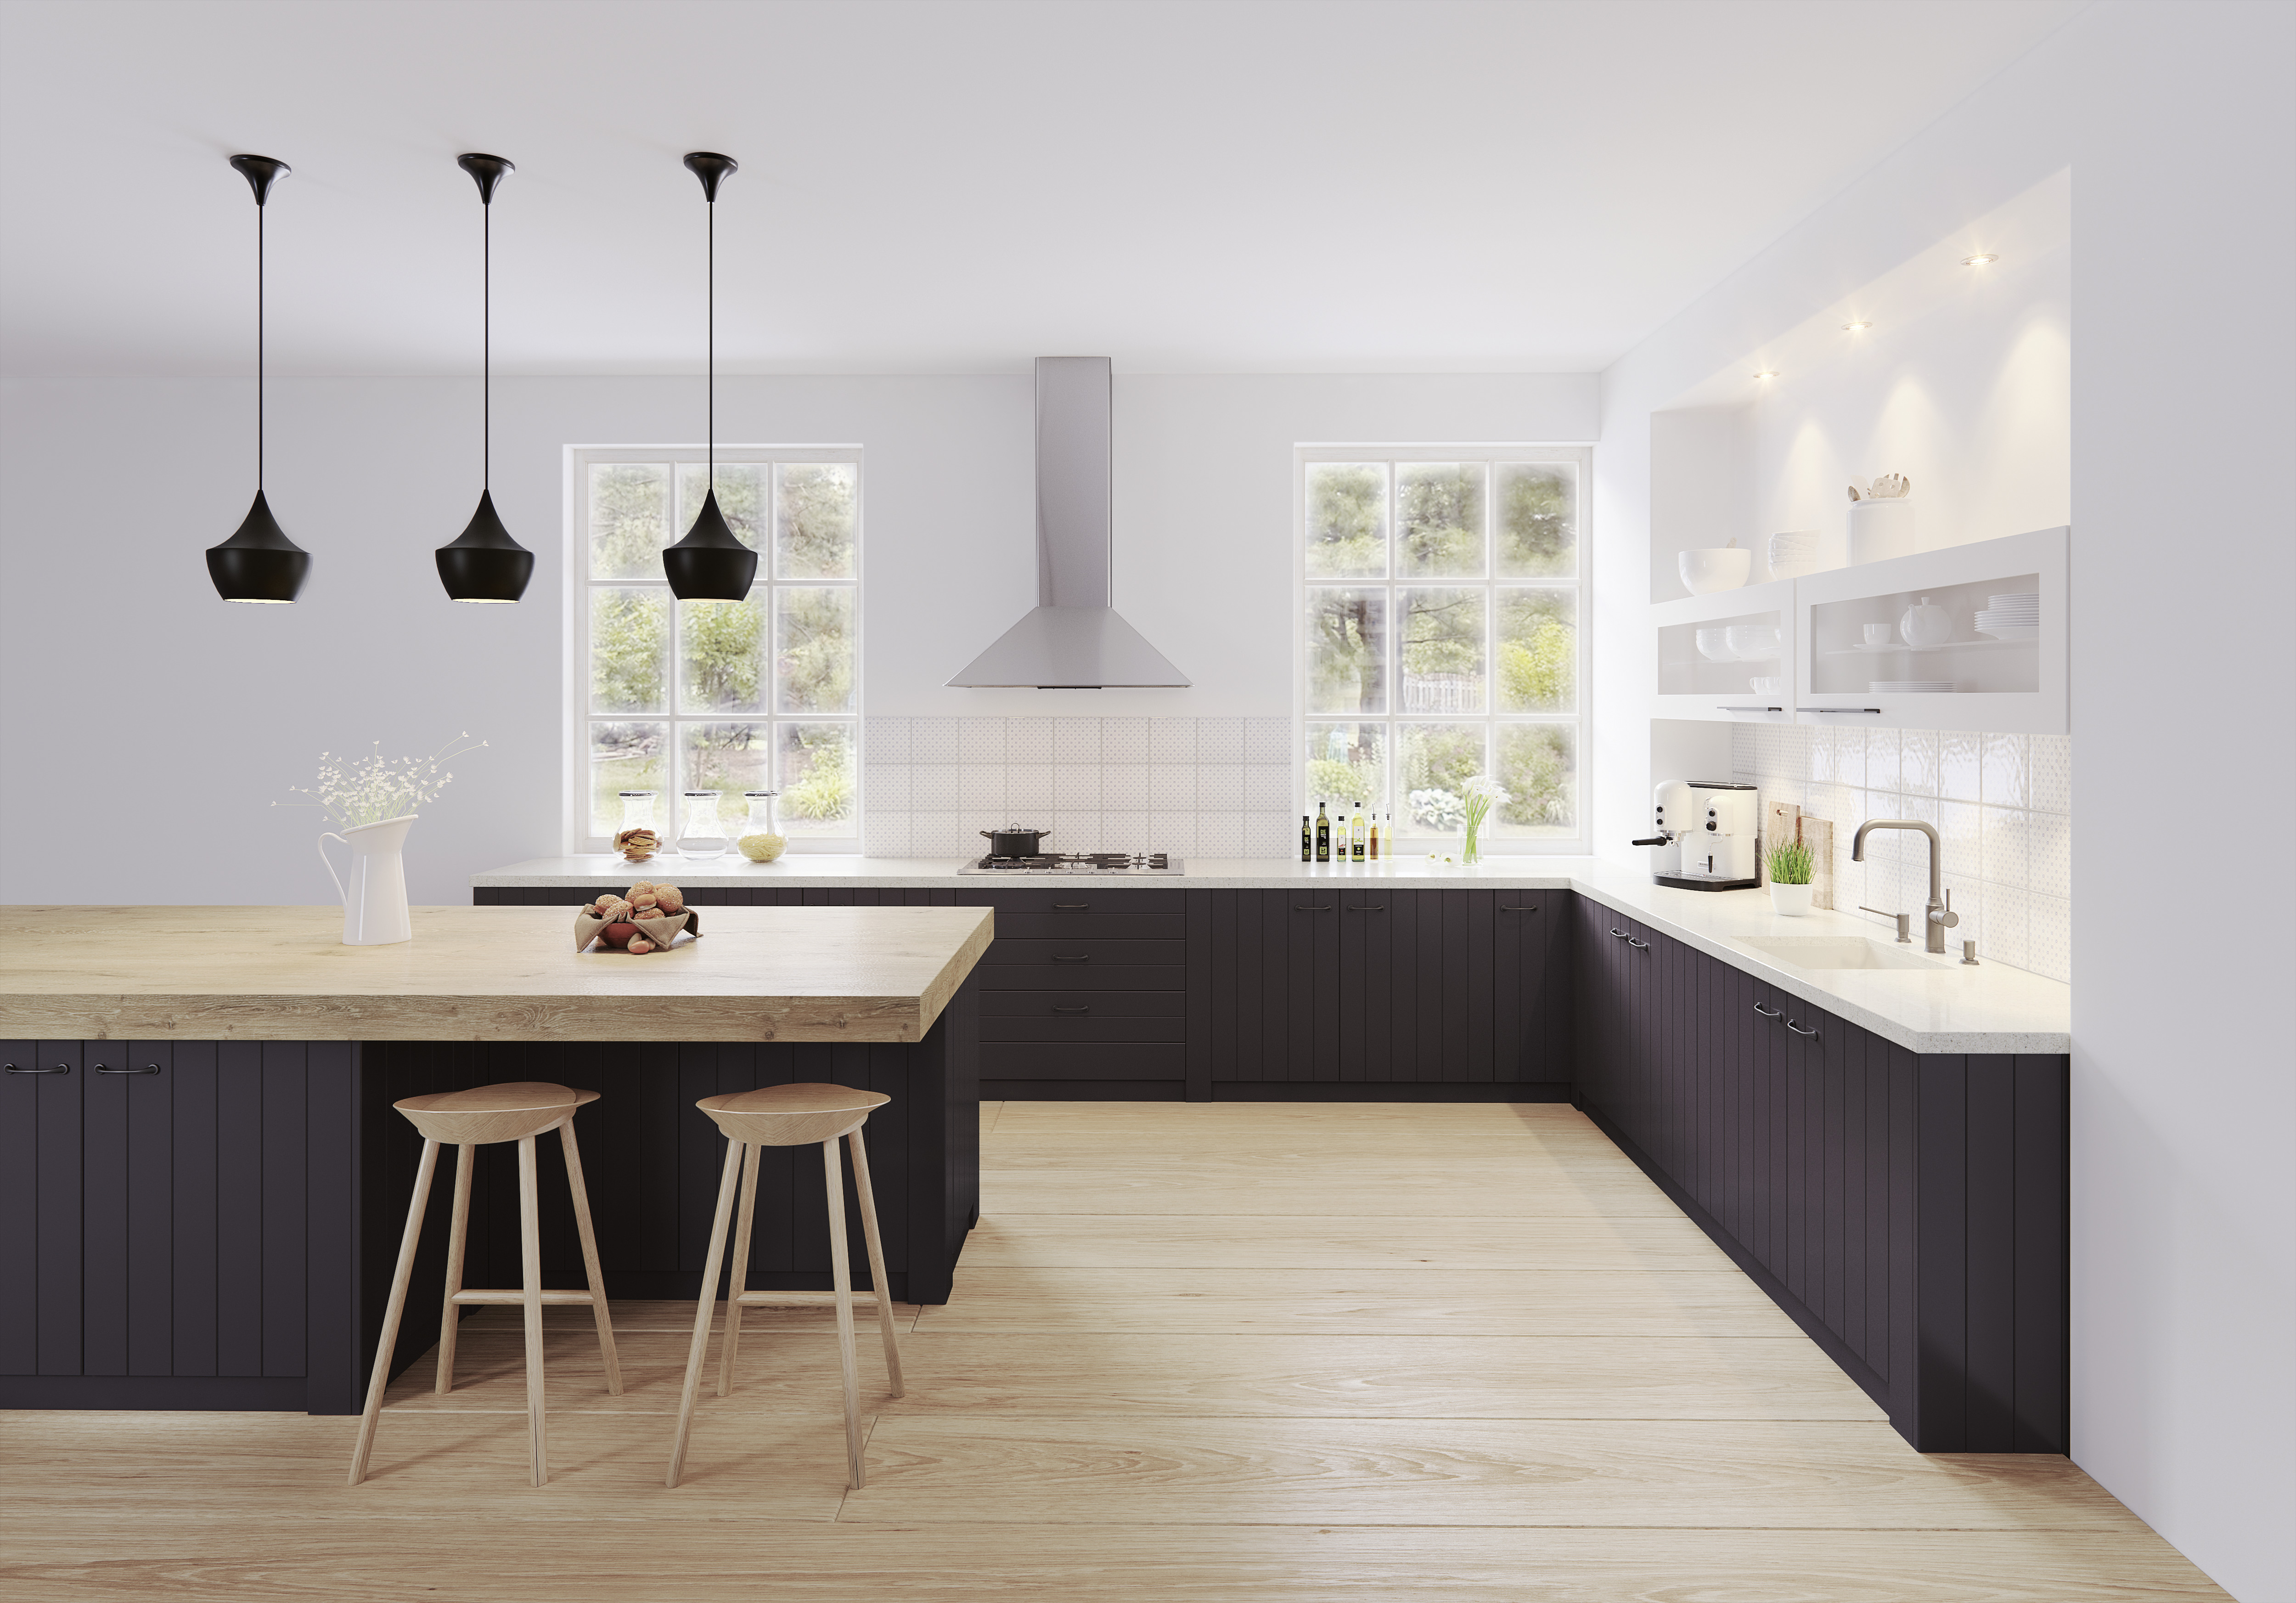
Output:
x=792 y=1115
x=487 y=1114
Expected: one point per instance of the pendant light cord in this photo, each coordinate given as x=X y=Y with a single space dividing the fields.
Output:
x=713 y=348
x=487 y=352
x=258 y=346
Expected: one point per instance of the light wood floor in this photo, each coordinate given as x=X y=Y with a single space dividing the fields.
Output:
x=1207 y=1351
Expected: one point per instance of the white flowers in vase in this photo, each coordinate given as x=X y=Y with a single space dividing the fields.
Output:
x=1477 y=797
x=355 y=793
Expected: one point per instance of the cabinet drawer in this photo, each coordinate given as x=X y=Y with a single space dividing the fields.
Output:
x=1104 y=1004
x=1070 y=900
x=1045 y=1060
x=1098 y=926
x=1083 y=976
x=1081 y=1027
x=1063 y=954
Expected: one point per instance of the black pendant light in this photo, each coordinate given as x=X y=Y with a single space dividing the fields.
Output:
x=711 y=564
x=484 y=564
x=258 y=562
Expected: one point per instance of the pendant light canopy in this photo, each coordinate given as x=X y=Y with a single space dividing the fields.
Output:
x=711 y=564
x=258 y=562
x=484 y=564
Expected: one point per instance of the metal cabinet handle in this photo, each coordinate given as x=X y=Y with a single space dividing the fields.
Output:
x=149 y=1068
x=61 y=1068
x=1640 y=946
x=1070 y=907
x=1798 y=1030
x=1621 y=934
x=1370 y=907
x=1302 y=907
x=1769 y=1012
x=1072 y=1009
x=1530 y=909
x=1084 y=957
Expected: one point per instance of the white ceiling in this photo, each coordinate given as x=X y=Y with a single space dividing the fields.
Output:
x=936 y=187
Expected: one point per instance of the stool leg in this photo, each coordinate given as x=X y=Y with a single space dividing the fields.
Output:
x=706 y=1303
x=876 y=1260
x=393 y=1309
x=529 y=1253
x=590 y=1257
x=737 y=1273
x=450 y=1317
x=833 y=1172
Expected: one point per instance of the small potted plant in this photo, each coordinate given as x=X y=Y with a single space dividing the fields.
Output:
x=1790 y=873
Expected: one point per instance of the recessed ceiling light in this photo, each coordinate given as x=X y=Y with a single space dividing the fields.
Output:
x=1978 y=261
x=1767 y=372
x=1857 y=327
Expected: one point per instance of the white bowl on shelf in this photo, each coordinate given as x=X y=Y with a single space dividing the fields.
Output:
x=1753 y=642
x=1768 y=685
x=1706 y=572
x=1714 y=644
x=1794 y=555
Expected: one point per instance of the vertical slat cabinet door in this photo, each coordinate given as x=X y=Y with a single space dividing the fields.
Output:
x=1523 y=1005
x=103 y=1209
x=1406 y=1032
x=1305 y=1031
x=151 y=1206
x=1269 y=1050
x=19 y=1206
x=1347 y=1061
x=57 y=1227
x=1375 y=920
x=191 y=1210
x=1768 y=1066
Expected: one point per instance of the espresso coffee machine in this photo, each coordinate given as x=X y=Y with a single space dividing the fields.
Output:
x=1707 y=835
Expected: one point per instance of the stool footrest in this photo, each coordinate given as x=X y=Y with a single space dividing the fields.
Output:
x=803 y=1299
x=580 y=1299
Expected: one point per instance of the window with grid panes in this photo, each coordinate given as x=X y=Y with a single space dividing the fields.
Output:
x=1442 y=592
x=762 y=693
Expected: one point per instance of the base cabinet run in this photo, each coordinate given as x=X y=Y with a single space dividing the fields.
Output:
x=1909 y=1212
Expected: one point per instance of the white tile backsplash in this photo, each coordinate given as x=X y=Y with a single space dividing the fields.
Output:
x=2002 y=803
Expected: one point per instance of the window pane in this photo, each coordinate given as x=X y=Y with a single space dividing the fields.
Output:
x=1438 y=759
x=1439 y=511
x=1347 y=520
x=628 y=757
x=727 y=757
x=721 y=655
x=1538 y=767
x=629 y=520
x=817 y=778
x=741 y=497
x=812 y=649
x=1347 y=651
x=1538 y=651
x=1440 y=650
x=1347 y=763
x=630 y=651
x=1537 y=520
x=812 y=520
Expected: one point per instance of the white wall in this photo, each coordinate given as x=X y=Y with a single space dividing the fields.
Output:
x=132 y=695
x=2178 y=126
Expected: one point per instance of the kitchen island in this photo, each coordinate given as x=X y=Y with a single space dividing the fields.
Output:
x=203 y=1180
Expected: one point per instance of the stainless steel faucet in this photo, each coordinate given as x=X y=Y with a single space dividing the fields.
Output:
x=1941 y=916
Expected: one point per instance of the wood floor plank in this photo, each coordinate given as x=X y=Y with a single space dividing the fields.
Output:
x=1356 y=1301
x=1007 y=1193
x=323 y=1559
x=1165 y=1241
x=787 y=1370
x=1789 y=1475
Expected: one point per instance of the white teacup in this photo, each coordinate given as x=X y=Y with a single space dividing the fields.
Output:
x=1877 y=633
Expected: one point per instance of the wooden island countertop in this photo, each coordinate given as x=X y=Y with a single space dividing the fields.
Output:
x=259 y=974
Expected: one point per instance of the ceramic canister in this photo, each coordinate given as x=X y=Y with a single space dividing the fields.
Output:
x=1880 y=530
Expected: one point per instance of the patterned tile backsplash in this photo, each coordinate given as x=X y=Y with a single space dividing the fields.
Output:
x=1194 y=786
x=2002 y=804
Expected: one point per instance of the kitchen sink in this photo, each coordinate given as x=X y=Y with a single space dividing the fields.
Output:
x=1838 y=951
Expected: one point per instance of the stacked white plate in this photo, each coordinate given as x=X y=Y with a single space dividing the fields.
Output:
x=1911 y=686
x=2015 y=617
x=1791 y=556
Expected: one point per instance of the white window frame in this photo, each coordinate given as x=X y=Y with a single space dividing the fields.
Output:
x=1406 y=841
x=575 y=694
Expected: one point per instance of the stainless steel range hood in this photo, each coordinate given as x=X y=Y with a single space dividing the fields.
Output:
x=1073 y=641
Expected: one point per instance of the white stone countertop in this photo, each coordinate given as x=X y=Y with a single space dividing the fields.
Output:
x=1938 y=1007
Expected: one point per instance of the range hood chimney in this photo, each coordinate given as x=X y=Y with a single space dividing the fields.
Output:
x=1073 y=639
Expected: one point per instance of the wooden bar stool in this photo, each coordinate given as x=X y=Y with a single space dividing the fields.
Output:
x=518 y=1112
x=791 y=1115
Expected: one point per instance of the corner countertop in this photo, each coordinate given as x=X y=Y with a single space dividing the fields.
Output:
x=1938 y=1007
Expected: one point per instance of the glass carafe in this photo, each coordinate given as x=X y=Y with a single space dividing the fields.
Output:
x=637 y=814
x=700 y=834
x=761 y=841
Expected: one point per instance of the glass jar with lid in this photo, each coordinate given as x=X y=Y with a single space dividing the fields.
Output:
x=701 y=834
x=761 y=841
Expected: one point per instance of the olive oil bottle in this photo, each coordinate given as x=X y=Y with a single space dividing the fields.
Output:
x=1323 y=835
x=1307 y=839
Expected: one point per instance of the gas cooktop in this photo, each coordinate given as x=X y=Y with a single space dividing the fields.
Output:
x=1080 y=862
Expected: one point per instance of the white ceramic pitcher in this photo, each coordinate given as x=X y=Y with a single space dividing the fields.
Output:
x=374 y=901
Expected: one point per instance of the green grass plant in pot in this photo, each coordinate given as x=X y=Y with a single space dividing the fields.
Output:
x=1790 y=873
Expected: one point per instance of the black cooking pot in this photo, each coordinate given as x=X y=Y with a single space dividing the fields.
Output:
x=1014 y=840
